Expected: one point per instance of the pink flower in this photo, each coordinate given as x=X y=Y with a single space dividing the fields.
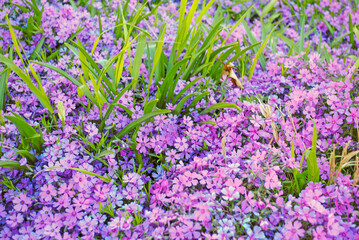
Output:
x=181 y=144
x=202 y=214
x=14 y=220
x=236 y=183
x=334 y=228
x=142 y=144
x=230 y=193
x=47 y=192
x=319 y=233
x=293 y=231
x=176 y=233
x=73 y=214
x=334 y=122
x=66 y=189
x=272 y=181
x=80 y=179
x=21 y=202
x=192 y=230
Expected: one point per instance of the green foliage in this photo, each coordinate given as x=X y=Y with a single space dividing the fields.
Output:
x=28 y=134
x=220 y=106
x=312 y=163
x=106 y=179
x=311 y=174
x=138 y=121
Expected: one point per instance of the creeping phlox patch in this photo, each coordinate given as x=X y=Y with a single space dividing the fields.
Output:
x=179 y=119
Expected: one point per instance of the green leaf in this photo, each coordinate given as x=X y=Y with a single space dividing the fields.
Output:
x=197 y=99
x=112 y=105
x=208 y=122
x=3 y=87
x=28 y=132
x=26 y=78
x=104 y=153
x=268 y=8
x=38 y=48
x=188 y=86
x=156 y=58
x=220 y=106
x=140 y=120
x=14 y=39
x=28 y=155
x=351 y=31
x=168 y=82
x=150 y=106
x=301 y=40
x=289 y=42
x=63 y=73
x=312 y=163
x=78 y=170
x=236 y=25
x=180 y=105
x=141 y=44
x=258 y=54
x=12 y=164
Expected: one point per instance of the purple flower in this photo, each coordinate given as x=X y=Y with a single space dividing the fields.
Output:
x=181 y=144
x=230 y=193
x=176 y=233
x=271 y=181
x=22 y=202
x=191 y=230
x=319 y=233
x=293 y=230
x=334 y=228
x=334 y=122
x=15 y=219
x=47 y=192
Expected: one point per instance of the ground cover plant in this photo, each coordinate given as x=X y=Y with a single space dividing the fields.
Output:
x=179 y=119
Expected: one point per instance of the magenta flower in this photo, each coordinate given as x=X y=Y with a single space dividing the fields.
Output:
x=73 y=214
x=272 y=182
x=189 y=179
x=15 y=219
x=319 y=233
x=91 y=129
x=334 y=228
x=142 y=144
x=293 y=231
x=125 y=224
x=236 y=183
x=47 y=192
x=176 y=233
x=334 y=122
x=192 y=230
x=230 y=193
x=181 y=144
x=202 y=214
x=80 y=179
x=66 y=189
x=353 y=115
x=172 y=156
x=22 y=202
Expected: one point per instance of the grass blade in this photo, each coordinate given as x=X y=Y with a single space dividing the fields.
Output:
x=312 y=163
x=27 y=132
x=220 y=106
x=141 y=44
x=180 y=105
x=140 y=120
x=12 y=164
x=26 y=78
x=3 y=87
x=258 y=54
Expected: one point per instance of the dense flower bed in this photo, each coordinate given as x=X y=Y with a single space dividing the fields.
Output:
x=277 y=160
